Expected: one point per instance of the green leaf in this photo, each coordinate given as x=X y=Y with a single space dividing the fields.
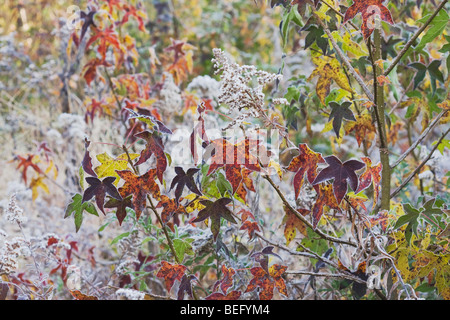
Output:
x=121 y=236
x=338 y=113
x=290 y=16
x=81 y=173
x=437 y=26
x=429 y=211
x=410 y=218
x=183 y=247
x=445 y=143
x=78 y=208
x=223 y=185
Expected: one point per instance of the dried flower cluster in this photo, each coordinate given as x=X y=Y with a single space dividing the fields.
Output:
x=9 y=255
x=14 y=213
x=241 y=88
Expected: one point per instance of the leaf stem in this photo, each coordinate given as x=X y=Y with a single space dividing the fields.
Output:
x=153 y=208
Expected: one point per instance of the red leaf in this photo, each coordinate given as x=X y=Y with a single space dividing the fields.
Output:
x=369 y=9
x=372 y=174
x=87 y=160
x=325 y=198
x=251 y=227
x=170 y=273
x=25 y=163
x=98 y=189
x=341 y=173
x=139 y=187
x=233 y=295
x=81 y=296
x=154 y=146
x=227 y=279
x=306 y=162
x=170 y=208
x=267 y=281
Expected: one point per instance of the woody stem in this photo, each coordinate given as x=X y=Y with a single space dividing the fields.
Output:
x=379 y=112
x=153 y=208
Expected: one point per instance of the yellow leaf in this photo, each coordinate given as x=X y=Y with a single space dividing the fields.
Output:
x=109 y=165
x=35 y=184
x=328 y=69
x=194 y=204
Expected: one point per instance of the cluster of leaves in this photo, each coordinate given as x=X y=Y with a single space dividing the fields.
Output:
x=217 y=194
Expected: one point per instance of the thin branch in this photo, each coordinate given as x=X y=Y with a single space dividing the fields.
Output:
x=407 y=180
x=345 y=60
x=303 y=219
x=421 y=137
x=326 y=275
x=415 y=36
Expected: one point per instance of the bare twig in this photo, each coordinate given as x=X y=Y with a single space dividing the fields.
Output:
x=421 y=137
x=408 y=179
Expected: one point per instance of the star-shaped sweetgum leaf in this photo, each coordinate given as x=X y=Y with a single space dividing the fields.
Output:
x=433 y=71
x=109 y=165
x=251 y=227
x=306 y=162
x=267 y=281
x=227 y=279
x=77 y=207
x=341 y=173
x=106 y=37
x=170 y=208
x=215 y=211
x=369 y=10
x=328 y=69
x=246 y=184
x=233 y=158
x=27 y=162
x=154 y=145
x=121 y=206
x=363 y=128
x=388 y=47
x=315 y=34
x=170 y=273
x=98 y=189
x=184 y=179
x=88 y=19
x=139 y=187
x=340 y=112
